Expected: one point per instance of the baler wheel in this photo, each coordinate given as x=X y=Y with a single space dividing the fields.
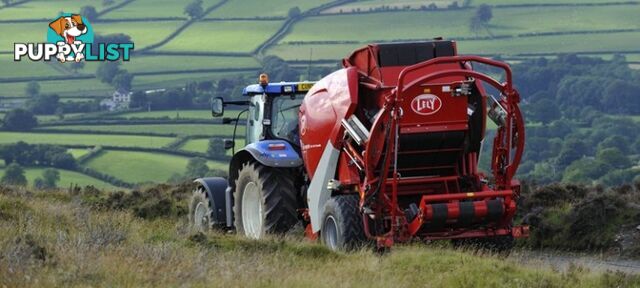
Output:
x=342 y=228
x=264 y=201
x=200 y=210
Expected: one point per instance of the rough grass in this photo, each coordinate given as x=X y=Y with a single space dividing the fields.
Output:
x=142 y=167
x=59 y=239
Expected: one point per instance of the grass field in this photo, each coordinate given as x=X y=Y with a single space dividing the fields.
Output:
x=77 y=153
x=253 y=8
x=46 y=9
x=24 y=68
x=67 y=178
x=85 y=139
x=142 y=34
x=137 y=167
x=179 y=129
x=29 y=32
x=178 y=114
x=179 y=63
x=186 y=114
x=202 y=145
x=425 y=25
x=116 y=248
x=223 y=36
x=154 y=8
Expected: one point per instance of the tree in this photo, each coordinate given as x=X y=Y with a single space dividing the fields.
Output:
x=19 y=120
x=32 y=89
x=107 y=71
x=122 y=80
x=481 y=18
x=544 y=111
x=613 y=157
x=44 y=104
x=194 y=9
x=6 y=2
x=216 y=148
x=89 y=12
x=50 y=178
x=484 y=13
x=197 y=167
x=14 y=175
x=294 y=12
x=138 y=99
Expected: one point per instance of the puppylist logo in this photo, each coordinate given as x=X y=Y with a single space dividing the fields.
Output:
x=70 y=38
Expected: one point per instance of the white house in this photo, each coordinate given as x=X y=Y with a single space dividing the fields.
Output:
x=119 y=100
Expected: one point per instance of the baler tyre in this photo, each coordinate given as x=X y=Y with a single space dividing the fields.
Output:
x=342 y=227
x=264 y=201
x=200 y=210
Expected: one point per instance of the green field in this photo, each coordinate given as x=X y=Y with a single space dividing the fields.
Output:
x=223 y=36
x=46 y=9
x=512 y=21
x=202 y=145
x=77 y=153
x=178 y=114
x=154 y=8
x=186 y=114
x=85 y=139
x=253 y=8
x=141 y=34
x=138 y=167
x=25 y=68
x=67 y=178
x=179 y=129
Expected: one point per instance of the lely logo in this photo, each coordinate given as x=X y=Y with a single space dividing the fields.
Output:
x=70 y=38
x=426 y=104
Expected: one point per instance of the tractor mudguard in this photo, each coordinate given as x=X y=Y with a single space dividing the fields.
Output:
x=218 y=193
x=273 y=153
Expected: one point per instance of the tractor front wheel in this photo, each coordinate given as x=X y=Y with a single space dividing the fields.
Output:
x=342 y=227
x=264 y=201
x=200 y=210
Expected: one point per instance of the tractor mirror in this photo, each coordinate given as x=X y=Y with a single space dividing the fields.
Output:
x=228 y=144
x=217 y=107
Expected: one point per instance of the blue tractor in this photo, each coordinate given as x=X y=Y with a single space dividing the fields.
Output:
x=265 y=187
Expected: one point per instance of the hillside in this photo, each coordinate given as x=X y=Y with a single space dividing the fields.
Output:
x=232 y=40
x=118 y=242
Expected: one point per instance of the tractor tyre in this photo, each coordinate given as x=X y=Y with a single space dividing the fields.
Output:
x=342 y=227
x=264 y=201
x=200 y=210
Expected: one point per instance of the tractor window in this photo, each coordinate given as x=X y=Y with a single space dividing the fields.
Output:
x=284 y=117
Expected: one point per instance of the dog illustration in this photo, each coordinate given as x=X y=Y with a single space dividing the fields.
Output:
x=69 y=28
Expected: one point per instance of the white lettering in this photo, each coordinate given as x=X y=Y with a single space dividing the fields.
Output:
x=19 y=50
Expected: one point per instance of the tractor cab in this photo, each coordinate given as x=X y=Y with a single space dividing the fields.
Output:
x=272 y=110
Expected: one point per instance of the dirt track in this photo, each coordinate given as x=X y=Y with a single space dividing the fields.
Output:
x=562 y=261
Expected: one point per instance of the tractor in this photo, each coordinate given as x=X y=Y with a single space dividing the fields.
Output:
x=382 y=151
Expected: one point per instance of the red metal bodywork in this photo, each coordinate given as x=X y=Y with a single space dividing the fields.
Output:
x=418 y=152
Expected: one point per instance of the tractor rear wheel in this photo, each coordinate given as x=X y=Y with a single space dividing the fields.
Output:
x=200 y=210
x=264 y=201
x=342 y=227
